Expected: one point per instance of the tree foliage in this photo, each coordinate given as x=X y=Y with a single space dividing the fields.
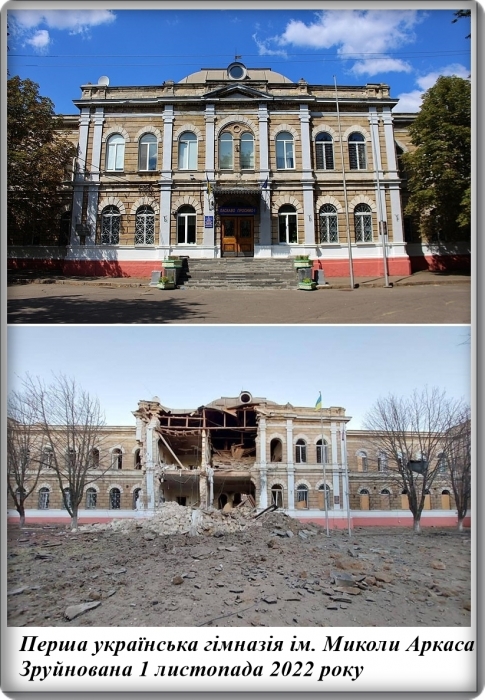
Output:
x=440 y=166
x=71 y=423
x=410 y=433
x=37 y=162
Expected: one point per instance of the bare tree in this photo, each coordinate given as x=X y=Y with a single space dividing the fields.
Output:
x=72 y=424
x=24 y=460
x=457 y=455
x=410 y=432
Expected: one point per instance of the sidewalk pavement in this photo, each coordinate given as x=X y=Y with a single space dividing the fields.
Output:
x=424 y=277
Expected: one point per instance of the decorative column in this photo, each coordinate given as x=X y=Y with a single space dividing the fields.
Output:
x=335 y=468
x=393 y=175
x=306 y=176
x=93 y=194
x=203 y=472
x=151 y=462
x=290 y=464
x=80 y=175
x=265 y=213
x=166 y=178
x=209 y=210
x=263 y=481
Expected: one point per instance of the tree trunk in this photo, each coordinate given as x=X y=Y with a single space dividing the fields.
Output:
x=417 y=524
x=74 y=519
x=460 y=524
x=21 y=512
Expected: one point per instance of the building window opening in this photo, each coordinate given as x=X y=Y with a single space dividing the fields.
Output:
x=300 y=452
x=47 y=457
x=363 y=223
x=324 y=495
x=287 y=224
x=284 y=151
x=322 y=452
x=186 y=225
x=222 y=501
x=226 y=155
x=246 y=155
x=44 y=496
x=66 y=499
x=137 y=459
x=181 y=500
x=147 y=159
x=357 y=156
x=115 y=152
x=328 y=224
x=91 y=498
x=94 y=458
x=145 y=226
x=136 y=496
x=276 y=450
x=115 y=499
x=302 y=496
x=110 y=226
x=324 y=151
x=277 y=495
x=117 y=459
x=188 y=151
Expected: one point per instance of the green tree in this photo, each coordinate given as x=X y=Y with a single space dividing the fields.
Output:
x=439 y=167
x=37 y=161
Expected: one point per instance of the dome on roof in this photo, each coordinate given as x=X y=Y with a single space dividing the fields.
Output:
x=235 y=71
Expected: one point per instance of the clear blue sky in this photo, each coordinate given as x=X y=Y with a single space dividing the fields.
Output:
x=190 y=366
x=406 y=48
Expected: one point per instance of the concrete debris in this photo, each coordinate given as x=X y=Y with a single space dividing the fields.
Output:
x=75 y=610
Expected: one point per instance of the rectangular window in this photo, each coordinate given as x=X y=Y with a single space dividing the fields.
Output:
x=225 y=155
x=247 y=155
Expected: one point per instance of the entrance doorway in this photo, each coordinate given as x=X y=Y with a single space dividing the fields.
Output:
x=237 y=236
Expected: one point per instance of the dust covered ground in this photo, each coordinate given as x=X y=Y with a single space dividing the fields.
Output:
x=227 y=570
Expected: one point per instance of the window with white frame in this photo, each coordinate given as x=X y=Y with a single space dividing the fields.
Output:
x=302 y=496
x=94 y=458
x=186 y=225
x=46 y=457
x=91 y=498
x=115 y=152
x=284 y=151
x=246 y=155
x=117 y=459
x=188 y=151
x=442 y=463
x=110 y=225
x=70 y=458
x=363 y=223
x=322 y=452
x=145 y=226
x=300 y=451
x=328 y=224
x=136 y=494
x=382 y=462
x=66 y=498
x=324 y=152
x=277 y=495
x=226 y=151
x=362 y=457
x=147 y=152
x=357 y=154
x=44 y=495
x=287 y=224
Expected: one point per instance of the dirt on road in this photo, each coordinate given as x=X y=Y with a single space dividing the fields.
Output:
x=232 y=570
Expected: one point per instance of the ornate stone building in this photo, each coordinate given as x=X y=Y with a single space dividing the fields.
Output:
x=244 y=448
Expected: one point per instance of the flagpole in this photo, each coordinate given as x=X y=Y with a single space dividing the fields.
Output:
x=346 y=477
x=322 y=453
x=349 y=244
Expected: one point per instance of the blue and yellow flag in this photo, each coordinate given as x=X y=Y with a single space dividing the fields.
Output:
x=318 y=405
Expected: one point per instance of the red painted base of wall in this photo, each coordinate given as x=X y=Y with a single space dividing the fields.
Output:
x=383 y=521
x=457 y=264
x=110 y=268
x=363 y=268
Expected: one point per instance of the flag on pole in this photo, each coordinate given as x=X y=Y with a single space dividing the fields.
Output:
x=318 y=404
x=265 y=184
x=209 y=186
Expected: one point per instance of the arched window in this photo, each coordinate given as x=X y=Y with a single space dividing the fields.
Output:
x=302 y=496
x=70 y=457
x=276 y=450
x=445 y=499
x=357 y=157
x=65 y=229
x=226 y=155
x=324 y=152
x=24 y=457
x=46 y=457
x=147 y=152
x=385 y=499
x=363 y=223
x=382 y=462
x=322 y=452
x=66 y=498
x=110 y=225
x=300 y=451
x=117 y=459
x=186 y=225
x=287 y=224
x=115 y=499
x=328 y=224
x=324 y=494
x=284 y=151
x=44 y=495
x=246 y=155
x=137 y=459
x=115 y=152
x=145 y=226
x=188 y=151
x=94 y=458
x=442 y=463
x=277 y=495
x=91 y=498
x=363 y=464
x=364 y=499
x=136 y=493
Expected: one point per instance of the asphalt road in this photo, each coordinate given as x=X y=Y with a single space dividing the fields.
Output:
x=66 y=303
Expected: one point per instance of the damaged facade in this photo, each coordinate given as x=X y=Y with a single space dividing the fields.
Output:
x=245 y=450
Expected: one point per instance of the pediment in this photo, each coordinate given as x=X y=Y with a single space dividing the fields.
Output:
x=237 y=92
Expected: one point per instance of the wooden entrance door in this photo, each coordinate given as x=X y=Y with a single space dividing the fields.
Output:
x=237 y=236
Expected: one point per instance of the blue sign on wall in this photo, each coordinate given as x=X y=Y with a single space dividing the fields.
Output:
x=208 y=221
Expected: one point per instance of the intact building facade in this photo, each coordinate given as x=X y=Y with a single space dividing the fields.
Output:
x=235 y=162
x=243 y=449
